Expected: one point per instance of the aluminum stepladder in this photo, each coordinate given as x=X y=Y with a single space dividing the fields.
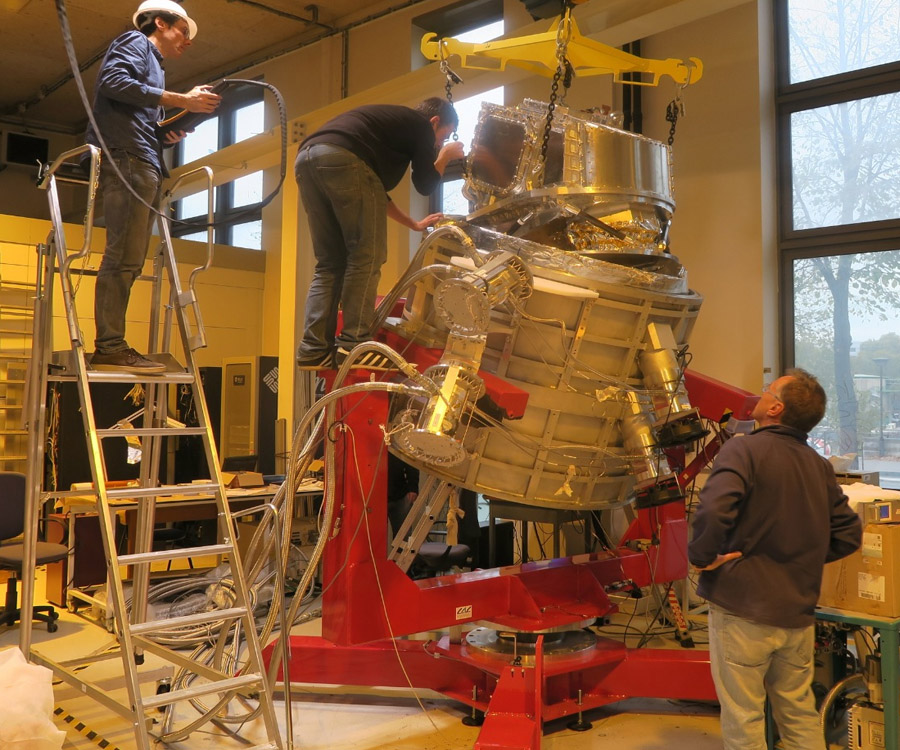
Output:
x=244 y=677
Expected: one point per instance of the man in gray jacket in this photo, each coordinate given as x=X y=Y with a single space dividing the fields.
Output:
x=771 y=515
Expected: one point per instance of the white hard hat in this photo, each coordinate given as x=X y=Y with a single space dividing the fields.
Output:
x=164 y=6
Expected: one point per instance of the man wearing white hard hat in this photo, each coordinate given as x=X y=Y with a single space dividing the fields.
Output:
x=129 y=100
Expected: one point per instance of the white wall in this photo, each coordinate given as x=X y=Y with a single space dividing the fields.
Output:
x=231 y=298
x=723 y=230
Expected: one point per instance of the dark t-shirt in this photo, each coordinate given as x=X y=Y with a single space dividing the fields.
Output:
x=388 y=138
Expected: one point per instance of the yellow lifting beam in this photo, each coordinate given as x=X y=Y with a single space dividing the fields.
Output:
x=539 y=54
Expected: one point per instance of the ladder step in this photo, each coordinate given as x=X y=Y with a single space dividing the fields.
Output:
x=178 y=553
x=206 y=688
x=110 y=376
x=188 y=490
x=151 y=431
x=64 y=367
x=198 y=618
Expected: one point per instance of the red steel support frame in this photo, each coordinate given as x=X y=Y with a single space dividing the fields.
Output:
x=368 y=603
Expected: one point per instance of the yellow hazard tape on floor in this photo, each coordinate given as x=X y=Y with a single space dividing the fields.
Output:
x=82 y=729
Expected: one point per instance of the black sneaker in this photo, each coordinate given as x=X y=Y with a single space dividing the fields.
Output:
x=127 y=360
x=370 y=360
x=321 y=362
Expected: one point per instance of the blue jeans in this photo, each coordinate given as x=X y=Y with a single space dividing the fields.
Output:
x=751 y=661
x=347 y=209
x=128 y=224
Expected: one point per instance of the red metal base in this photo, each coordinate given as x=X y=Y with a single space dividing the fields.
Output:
x=516 y=700
x=368 y=602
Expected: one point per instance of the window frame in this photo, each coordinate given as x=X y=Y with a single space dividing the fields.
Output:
x=226 y=216
x=847 y=239
x=455 y=20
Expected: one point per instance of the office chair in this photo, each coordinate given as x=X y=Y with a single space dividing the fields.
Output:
x=168 y=538
x=12 y=524
x=435 y=558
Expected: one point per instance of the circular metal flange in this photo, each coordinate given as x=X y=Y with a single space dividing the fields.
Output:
x=463 y=306
x=444 y=450
x=508 y=643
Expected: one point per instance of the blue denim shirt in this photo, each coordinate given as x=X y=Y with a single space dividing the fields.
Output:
x=126 y=98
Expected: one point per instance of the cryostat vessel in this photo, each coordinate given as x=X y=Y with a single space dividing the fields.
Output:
x=559 y=283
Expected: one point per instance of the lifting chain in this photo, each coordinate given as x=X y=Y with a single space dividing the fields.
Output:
x=564 y=72
x=675 y=108
x=451 y=79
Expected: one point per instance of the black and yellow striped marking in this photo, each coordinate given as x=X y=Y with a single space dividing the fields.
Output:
x=81 y=728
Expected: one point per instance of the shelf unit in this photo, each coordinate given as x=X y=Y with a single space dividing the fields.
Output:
x=16 y=319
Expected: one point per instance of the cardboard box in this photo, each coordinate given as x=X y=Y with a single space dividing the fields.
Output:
x=854 y=477
x=235 y=479
x=868 y=581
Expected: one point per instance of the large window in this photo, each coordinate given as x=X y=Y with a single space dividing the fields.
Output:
x=240 y=116
x=839 y=222
x=451 y=200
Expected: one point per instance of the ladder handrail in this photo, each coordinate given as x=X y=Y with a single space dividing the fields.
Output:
x=167 y=199
x=189 y=298
x=47 y=180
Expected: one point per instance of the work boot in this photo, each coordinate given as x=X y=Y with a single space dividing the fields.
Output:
x=127 y=360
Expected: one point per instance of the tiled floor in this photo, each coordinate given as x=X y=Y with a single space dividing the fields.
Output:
x=381 y=720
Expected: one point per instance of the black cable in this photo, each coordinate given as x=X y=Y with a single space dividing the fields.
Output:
x=651 y=622
x=66 y=31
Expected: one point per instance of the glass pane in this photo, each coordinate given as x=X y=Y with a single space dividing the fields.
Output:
x=452 y=200
x=202 y=142
x=482 y=33
x=247 y=235
x=845 y=332
x=247 y=190
x=249 y=121
x=495 y=158
x=195 y=237
x=468 y=110
x=846 y=163
x=828 y=37
x=194 y=205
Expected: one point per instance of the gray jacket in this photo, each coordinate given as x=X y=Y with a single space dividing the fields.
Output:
x=774 y=499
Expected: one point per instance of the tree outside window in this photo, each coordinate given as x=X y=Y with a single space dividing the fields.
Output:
x=839 y=231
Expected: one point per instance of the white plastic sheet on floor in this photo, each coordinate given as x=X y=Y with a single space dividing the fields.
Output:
x=26 y=705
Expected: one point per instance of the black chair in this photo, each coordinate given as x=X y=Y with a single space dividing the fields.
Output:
x=435 y=558
x=12 y=524
x=168 y=538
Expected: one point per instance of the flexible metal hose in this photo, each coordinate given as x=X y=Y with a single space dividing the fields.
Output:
x=855 y=680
